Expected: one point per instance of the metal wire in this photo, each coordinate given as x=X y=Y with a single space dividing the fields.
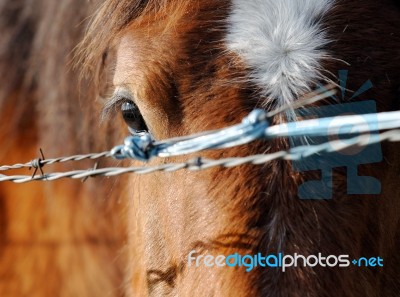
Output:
x=56 y=160
x=255 y=126
x=296 y=153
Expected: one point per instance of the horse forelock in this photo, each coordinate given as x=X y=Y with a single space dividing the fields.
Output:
x=287 y=45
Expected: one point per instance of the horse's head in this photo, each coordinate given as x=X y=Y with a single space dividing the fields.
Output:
x=180 y=67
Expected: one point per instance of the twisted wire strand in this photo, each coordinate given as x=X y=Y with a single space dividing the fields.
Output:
x=296 y=153
x=42 y=163
x=255 y=126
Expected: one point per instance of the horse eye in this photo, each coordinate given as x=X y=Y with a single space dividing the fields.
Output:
x=133 y=118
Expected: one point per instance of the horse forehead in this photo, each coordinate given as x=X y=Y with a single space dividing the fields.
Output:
x=125 y=59
x=128 y=67
x=282 y=43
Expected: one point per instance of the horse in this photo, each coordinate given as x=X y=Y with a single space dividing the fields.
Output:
x=175 y=68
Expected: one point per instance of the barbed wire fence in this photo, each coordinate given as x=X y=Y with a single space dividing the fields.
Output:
x=198 y=163
x=253 y=127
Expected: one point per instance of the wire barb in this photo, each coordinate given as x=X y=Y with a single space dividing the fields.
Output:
x=38 y=164
x=93 y=169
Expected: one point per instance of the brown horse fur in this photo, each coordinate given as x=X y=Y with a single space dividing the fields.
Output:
x=172 y=56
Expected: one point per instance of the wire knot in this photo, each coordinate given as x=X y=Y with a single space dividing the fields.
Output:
x=135 y=147
x=38 y=164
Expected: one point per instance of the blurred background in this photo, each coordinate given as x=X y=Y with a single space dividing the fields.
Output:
x=62 y=238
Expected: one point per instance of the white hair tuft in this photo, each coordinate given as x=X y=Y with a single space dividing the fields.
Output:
x=282 y=42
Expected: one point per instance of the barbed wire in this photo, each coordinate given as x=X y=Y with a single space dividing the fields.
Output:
x=42 y=162
x=256 y=125
x=317 y=95
x=199 y=163
x=141 y=146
